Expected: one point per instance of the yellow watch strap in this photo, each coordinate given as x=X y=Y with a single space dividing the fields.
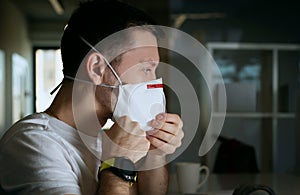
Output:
x=107 y=164
x=110 y=163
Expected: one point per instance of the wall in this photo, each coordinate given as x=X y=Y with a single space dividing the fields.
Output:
x=13 y=39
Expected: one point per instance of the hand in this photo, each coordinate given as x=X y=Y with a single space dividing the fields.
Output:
x=125 y=139
x=166 y=135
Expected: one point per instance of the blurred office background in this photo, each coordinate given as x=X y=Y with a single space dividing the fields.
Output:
x=255 y=43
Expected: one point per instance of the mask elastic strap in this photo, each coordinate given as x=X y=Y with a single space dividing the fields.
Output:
x=57 y=87
x=81 y=80
x=88 y=82
x=108 y=64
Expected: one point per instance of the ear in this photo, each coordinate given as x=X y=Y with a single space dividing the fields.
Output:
x=95 y=67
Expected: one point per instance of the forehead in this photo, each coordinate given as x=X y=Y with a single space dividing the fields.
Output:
x=142 y=38
x=143 y=49
x=139 y=55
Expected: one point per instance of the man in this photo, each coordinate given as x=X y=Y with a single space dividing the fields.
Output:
x=59 y=151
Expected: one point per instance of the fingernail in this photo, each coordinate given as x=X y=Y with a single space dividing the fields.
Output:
x=148 y=137
x=155 y=123
x=160 y=116
x=152 y=131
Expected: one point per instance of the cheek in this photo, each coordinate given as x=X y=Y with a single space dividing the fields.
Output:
x=113 y=99
x=132 y=77
x=109 y=78
x=106 y=98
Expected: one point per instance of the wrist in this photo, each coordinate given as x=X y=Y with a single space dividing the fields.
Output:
x=121 y=167
x=109 y=184
x=151 y=162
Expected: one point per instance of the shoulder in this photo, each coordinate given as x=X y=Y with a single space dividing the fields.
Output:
x=34 y=122
x=31 y=153
x=32 y=135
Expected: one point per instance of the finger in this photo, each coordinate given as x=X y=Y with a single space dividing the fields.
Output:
x=130 y=126
x=163 y=136
x=152 y=132
x=161 y=116
x=166 y=127
x=170 y=128
x=158 y=121
x=173 y=118
x=171 y=139
x=156 y=124
x=164 y=118
x=161 y=145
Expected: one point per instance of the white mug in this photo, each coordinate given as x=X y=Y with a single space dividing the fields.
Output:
x=188 y=176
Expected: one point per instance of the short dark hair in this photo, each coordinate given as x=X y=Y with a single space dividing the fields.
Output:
x=94 y=21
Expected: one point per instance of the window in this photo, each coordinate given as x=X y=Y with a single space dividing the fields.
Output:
x=48 y=74
x=261 y=82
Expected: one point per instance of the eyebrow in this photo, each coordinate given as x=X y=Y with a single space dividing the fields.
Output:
x=150 y=61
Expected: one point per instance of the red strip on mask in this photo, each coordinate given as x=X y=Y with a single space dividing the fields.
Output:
x=152 y=86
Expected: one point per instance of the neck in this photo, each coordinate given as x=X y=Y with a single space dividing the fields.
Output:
x=61 y=107
x=77 y=110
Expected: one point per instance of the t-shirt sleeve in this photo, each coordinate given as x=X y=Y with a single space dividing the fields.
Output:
x=36 y=163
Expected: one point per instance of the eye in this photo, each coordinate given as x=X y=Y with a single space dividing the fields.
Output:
x=147 y=70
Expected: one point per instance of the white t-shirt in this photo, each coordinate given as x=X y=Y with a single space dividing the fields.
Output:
x=43 y=155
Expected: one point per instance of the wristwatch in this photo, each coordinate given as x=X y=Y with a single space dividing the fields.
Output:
x=121 y=167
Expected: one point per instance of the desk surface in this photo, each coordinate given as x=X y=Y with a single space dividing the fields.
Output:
x=223 y=184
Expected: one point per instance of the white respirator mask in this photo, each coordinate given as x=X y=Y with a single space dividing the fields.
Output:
x=140 y=102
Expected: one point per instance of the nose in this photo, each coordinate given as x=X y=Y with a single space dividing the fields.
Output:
x=153 y=76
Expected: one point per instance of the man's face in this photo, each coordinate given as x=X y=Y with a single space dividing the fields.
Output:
x=136 y=65
x=139 y=64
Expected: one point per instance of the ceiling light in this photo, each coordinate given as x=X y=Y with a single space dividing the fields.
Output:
x=57 y=6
